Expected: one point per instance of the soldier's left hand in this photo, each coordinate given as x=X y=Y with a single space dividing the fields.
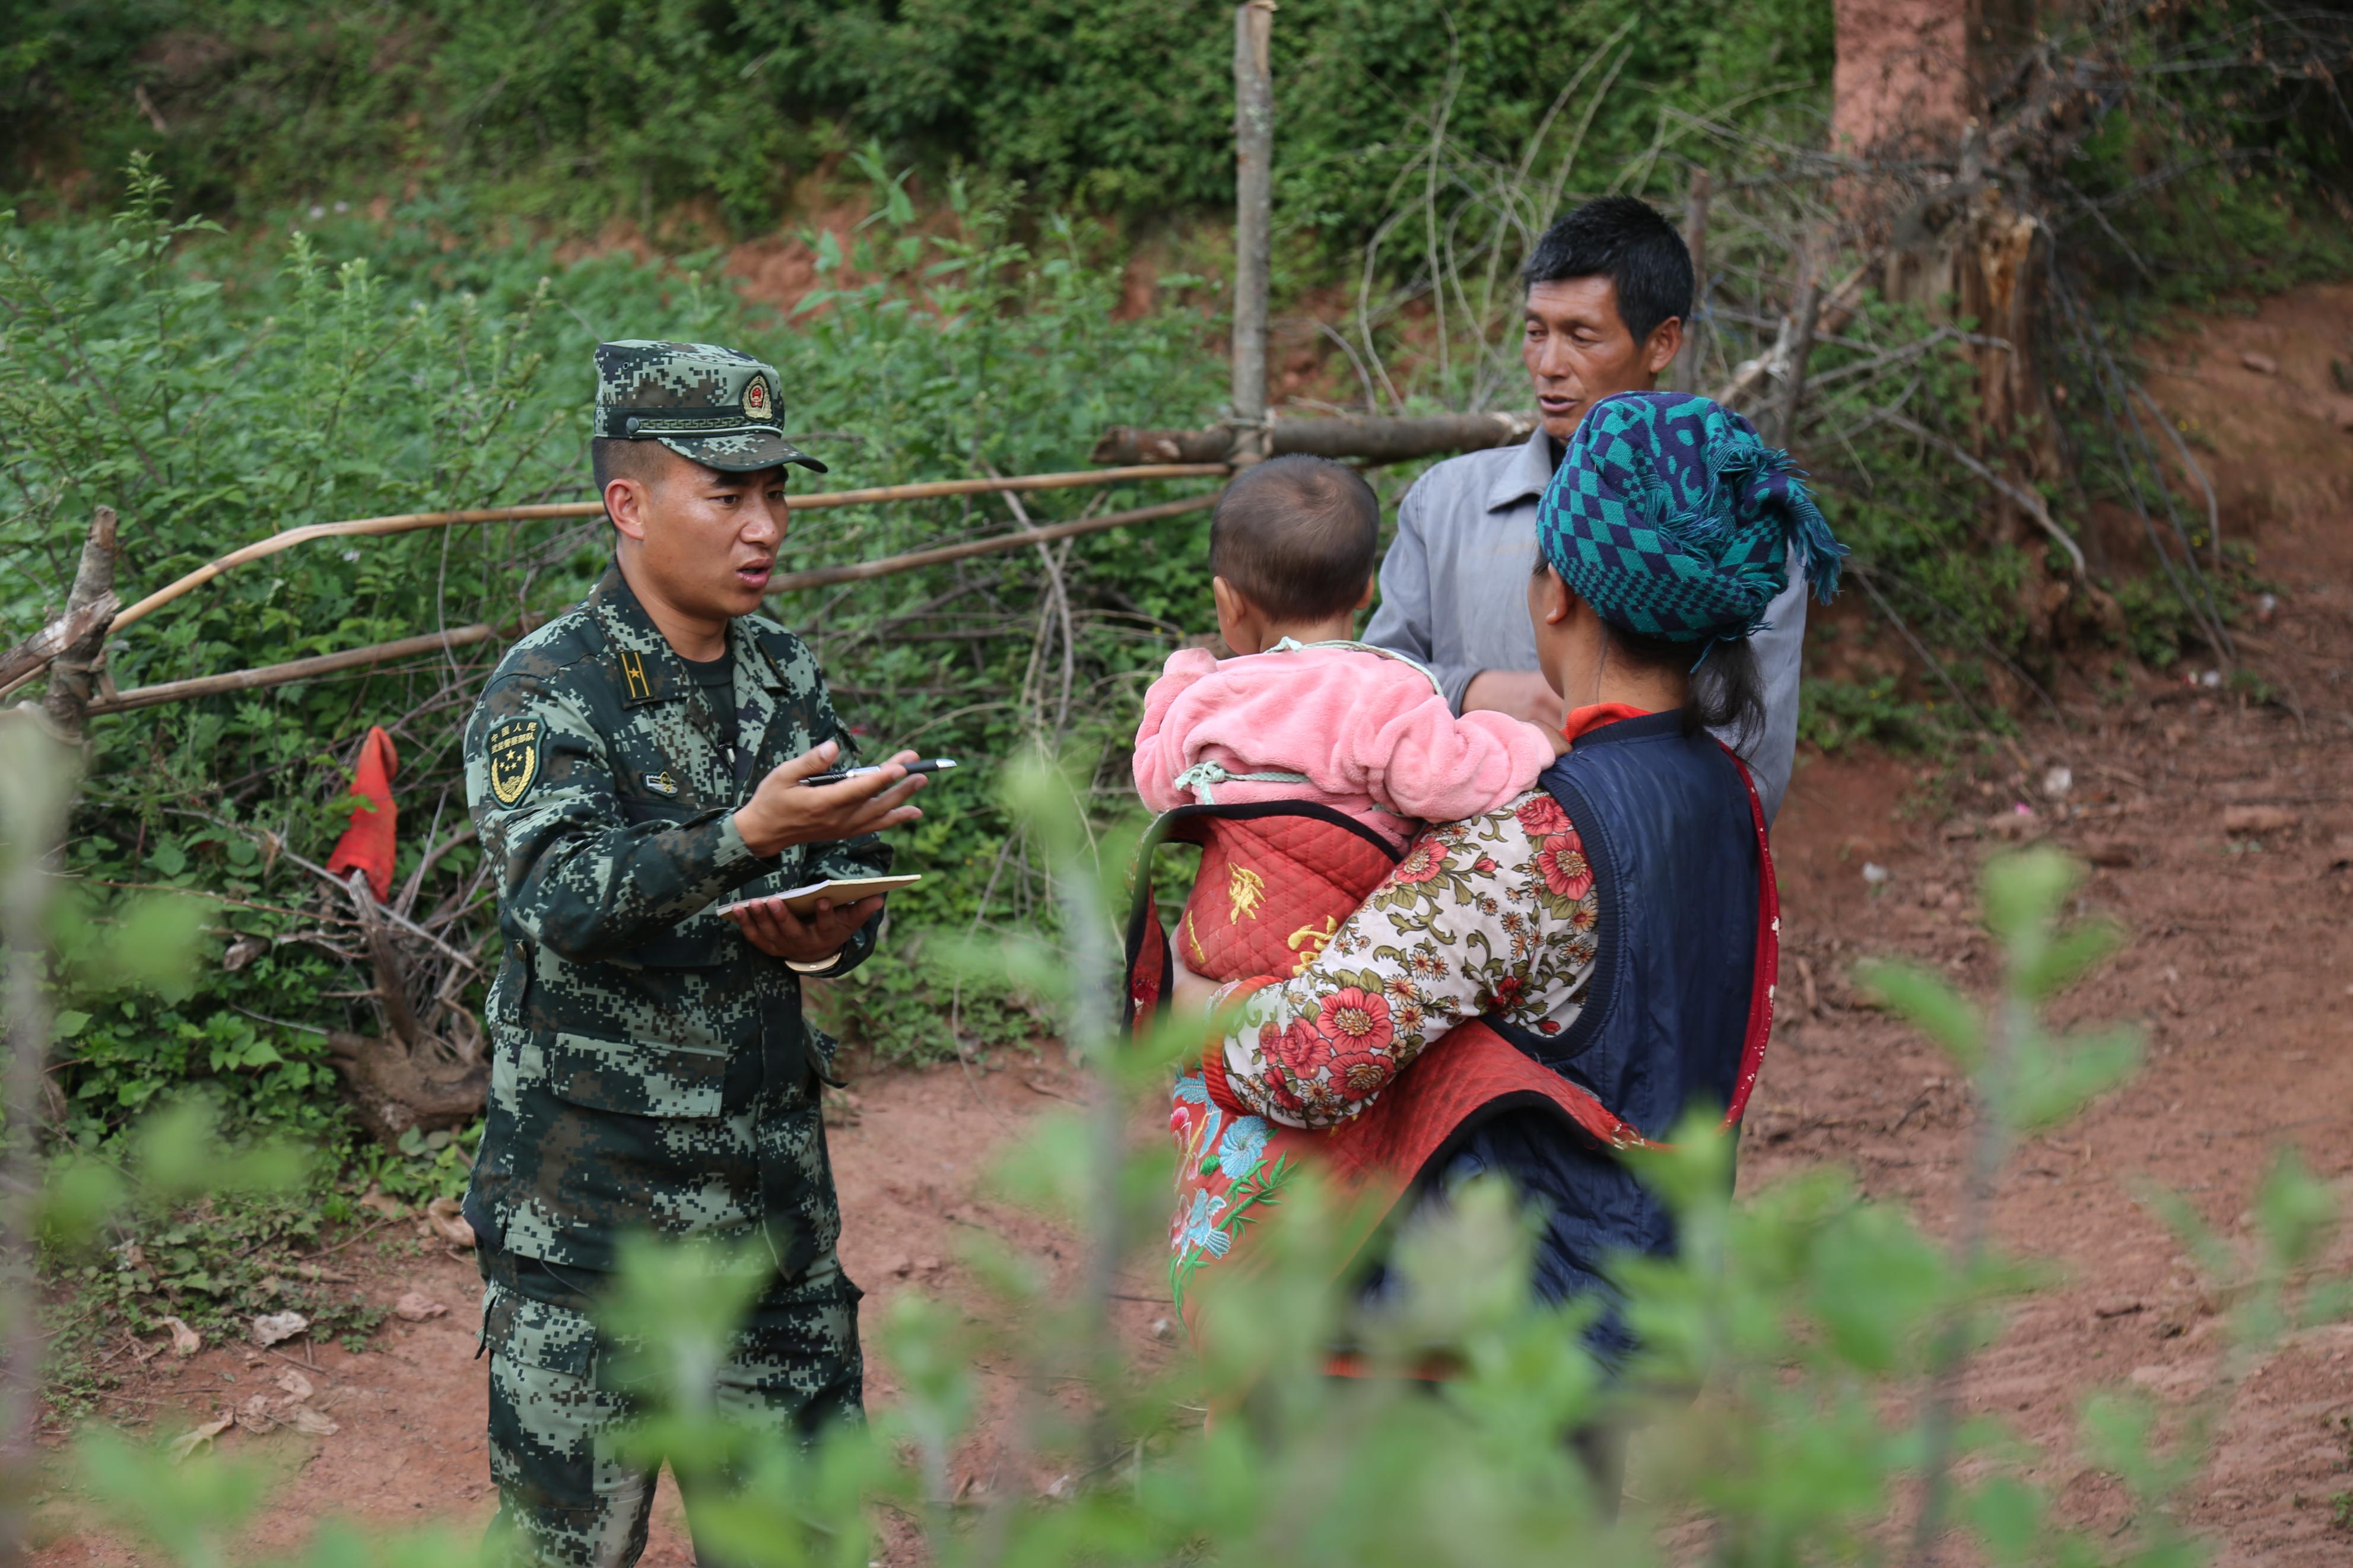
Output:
x=778 y=933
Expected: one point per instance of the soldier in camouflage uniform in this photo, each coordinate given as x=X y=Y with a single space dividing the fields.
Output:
x=631 y=765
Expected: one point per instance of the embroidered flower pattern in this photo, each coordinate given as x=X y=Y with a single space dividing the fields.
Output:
x=1227 y=1172
x=1493 y=914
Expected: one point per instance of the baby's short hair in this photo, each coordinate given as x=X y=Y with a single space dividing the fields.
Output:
x=1296 y=536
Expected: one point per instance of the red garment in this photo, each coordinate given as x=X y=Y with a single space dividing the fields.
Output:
x=367 y=845
x=1593 y=715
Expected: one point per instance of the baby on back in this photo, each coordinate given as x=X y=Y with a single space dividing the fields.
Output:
x=1304 y=712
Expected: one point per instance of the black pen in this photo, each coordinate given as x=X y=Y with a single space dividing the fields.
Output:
x=925 y=766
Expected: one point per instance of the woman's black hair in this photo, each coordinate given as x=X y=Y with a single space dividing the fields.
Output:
x=1726 y=691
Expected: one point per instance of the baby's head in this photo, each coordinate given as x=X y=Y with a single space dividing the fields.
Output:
x=1291 y=551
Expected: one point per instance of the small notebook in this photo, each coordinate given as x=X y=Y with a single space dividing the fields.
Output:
x=840 y=890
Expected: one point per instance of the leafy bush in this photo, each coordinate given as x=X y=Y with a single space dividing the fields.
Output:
x=582 y=110
x=161 y=368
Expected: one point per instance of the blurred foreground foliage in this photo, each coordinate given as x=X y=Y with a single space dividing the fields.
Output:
x=1793 y=1402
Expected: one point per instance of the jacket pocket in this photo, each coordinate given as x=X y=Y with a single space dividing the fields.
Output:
x=537 y=1334
x=634 y=1079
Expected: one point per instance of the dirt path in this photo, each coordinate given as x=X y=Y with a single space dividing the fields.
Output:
x=2241 y=967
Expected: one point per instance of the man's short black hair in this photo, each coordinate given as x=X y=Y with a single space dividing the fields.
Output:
x=610 y=458
x=1296 y=536
x=1629 y=242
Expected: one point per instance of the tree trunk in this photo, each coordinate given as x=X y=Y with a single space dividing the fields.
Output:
x=75 y=670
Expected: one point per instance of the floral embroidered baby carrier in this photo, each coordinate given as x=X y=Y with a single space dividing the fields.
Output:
x=1275 y=880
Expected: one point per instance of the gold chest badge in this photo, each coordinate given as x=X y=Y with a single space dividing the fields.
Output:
x=513 y=749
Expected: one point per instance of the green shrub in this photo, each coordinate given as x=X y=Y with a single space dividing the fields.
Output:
x=212 y=394
x=582 y=111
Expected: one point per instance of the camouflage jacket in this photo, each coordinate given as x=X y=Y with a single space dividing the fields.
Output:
x=650 y=1069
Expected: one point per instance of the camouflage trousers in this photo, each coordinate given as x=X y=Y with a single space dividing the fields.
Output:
x=565 y=1499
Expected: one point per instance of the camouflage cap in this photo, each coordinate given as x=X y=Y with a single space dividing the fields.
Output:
x=703 y=402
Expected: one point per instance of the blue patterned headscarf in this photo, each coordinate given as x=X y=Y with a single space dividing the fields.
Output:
x=1673 y=520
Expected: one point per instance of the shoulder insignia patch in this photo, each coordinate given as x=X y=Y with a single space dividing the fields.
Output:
x=513 y=751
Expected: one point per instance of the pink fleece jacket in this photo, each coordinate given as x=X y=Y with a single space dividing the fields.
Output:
x=1369 y=734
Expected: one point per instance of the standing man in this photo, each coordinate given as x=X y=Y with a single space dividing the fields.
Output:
x=631 y=765
x=1608 y=288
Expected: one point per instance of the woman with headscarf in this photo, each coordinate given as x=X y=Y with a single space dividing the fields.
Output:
x=1615 y=926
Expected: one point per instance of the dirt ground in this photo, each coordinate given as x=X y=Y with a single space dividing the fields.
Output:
x=2220 y=832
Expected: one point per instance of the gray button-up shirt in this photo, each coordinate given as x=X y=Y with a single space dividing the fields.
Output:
x=1455 y=593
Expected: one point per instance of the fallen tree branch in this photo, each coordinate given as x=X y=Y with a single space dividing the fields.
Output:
x=410 y=521
x=2026 y=500
x=1837 y=308
x=824 y=576
x=292 y=670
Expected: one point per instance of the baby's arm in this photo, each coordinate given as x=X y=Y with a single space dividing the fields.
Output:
x=1419 y=760
x=1160 y=750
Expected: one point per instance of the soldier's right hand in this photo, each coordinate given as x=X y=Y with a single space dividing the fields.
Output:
x=785 y=811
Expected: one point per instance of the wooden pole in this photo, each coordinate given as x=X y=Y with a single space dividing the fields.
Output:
x=407 y=522
x=1374 y=440
x=1253 y=222
x=464 y=636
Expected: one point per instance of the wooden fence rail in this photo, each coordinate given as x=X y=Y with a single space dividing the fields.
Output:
x=1184 y=454
x=409 y=521
x=292 y=670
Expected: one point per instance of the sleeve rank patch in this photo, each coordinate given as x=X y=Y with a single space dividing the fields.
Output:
x=513 y=749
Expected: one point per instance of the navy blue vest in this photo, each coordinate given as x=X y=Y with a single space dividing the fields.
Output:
x=1667 y=829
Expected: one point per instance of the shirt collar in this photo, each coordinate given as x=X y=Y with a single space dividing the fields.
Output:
x=1593 y=716
x=1525 y=476
x=648 y=668
x=1292 y=644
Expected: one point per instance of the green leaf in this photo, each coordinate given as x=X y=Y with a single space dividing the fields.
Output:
x=70 y=1023
x=2068 y=958
x=2024 y=891
x=2053 y=1079
x=1925 y=1001
x=2294 y=1212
